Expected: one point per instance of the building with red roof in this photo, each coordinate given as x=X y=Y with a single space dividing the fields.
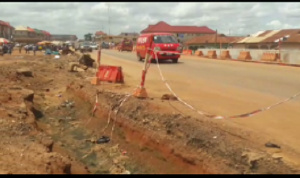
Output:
x=47 y=35
x=183 y=33
x=100 y=33
x=6 y=30
x=212 y=41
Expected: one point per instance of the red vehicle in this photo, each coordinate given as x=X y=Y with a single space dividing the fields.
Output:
x=125 y=45
x=165 y=43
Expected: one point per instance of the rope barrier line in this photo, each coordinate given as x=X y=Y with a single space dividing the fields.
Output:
x=108 y=120
x=116 y=112
x=96 y=104
x=249 y=114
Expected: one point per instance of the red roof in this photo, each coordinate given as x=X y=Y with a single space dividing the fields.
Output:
x=212 y=38
x=5 y=24
x=46 y=33
x=30 y=29
x=164 y=27
x=100 y=33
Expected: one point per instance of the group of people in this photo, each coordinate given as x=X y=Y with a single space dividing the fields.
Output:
x=6 y=48
x=49 y=49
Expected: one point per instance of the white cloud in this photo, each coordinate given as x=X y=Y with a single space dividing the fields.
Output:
x=276 y=24
x=240 y=18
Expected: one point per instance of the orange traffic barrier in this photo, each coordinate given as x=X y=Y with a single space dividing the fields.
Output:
x=244 y=55
x=187 y=52
x=95 y=81
x=225 y=55
x=270 y=57
x=110 y=74
x=198 y=53
x=212 y=54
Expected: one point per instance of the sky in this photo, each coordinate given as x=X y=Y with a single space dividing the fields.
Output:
x=79 y=18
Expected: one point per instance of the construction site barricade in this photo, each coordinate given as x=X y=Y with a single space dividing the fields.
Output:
x=271 y=57
x=110 y=74
x=212 y=54
x=244 y=55
x=225 y=54
x=198 y=53
x=187 y=52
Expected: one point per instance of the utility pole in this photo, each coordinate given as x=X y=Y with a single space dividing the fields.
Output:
x=108 y=19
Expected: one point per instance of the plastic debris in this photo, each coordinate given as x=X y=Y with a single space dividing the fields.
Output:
x=103 y=139
x=124 y=152
x=271 y=145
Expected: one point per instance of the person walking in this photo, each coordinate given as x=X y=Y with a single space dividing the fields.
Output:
x=1 y=49
x=26 y=48
x=9 y=47
x=20 y=48
x=34 y=48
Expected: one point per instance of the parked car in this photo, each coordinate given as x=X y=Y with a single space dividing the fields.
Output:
x=94 y=46
x=85 y=47
x=104 y=45
x=125 y=45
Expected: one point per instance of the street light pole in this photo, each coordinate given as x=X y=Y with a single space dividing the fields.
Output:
x=108 y=19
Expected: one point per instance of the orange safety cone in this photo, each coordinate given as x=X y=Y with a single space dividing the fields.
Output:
x=141 y=92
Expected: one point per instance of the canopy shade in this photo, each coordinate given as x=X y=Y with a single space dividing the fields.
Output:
x=3 y=40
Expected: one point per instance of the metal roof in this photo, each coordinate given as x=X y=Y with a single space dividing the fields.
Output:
x=213 y=38
x=259 y=36
x=21 y=28
x=164 y=27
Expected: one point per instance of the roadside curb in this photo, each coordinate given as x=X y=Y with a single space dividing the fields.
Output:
x=259 y=62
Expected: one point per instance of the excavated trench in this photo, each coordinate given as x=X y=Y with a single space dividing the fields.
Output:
x=147 y=150
x=165 y=143
x=144 y=138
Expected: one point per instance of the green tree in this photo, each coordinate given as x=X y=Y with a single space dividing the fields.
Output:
x=88 y=37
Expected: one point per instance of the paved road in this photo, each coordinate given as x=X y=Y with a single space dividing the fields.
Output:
x=278 y=81
x=225 y=88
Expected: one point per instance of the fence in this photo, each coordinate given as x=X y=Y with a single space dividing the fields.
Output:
x=286 y=56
